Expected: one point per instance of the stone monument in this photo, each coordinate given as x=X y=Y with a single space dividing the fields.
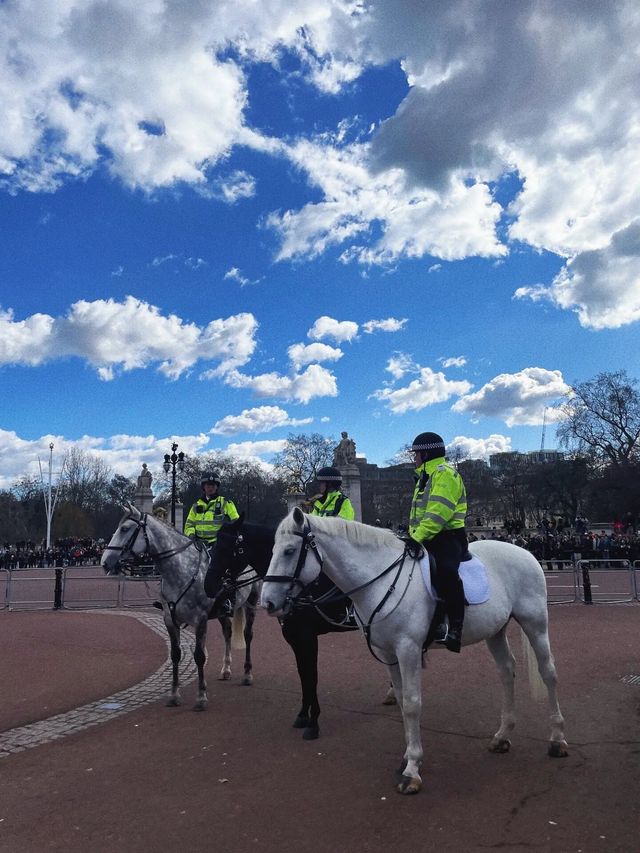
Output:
x=143 y=498
x=344 y=459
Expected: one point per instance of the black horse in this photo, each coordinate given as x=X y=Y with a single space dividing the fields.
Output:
x=241 y=544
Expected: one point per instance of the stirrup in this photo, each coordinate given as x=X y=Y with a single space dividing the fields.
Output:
x=441 y=632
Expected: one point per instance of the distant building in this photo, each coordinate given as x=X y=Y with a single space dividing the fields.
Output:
x=510 y=459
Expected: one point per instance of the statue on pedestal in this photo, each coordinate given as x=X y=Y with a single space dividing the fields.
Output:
x=345 y=452
x=144 y=480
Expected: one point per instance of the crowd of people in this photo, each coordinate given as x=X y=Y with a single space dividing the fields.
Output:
x=70 y=551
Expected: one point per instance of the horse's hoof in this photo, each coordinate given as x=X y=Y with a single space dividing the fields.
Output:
x=500 y=746
x=401 y=769
x=225 y=675
x=558 y=749
x=311 y=733
x=247 y=681
x=200 y=705
x=390 y=699
x=409 y=785
x=172 y=702
x=301 y=722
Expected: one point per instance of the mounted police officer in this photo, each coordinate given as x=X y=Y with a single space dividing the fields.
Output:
x=438 y=512
x=331 y=501
x=206 y=517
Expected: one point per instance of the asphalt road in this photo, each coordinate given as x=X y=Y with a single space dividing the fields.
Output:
x=238 y=778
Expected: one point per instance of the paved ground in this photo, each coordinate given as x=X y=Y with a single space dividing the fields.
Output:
x=237 y=777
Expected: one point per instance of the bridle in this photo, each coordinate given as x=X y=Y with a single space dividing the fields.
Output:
x=309 y=544
x=238 y=555
x=141 y=526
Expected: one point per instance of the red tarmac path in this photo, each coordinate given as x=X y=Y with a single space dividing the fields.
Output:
x=238 y=778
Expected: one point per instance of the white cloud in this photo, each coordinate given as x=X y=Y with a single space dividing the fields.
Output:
x=123 y=453
x=230 y=189
x=253 y=450
x=234 y=274
x=428 y=389
x=479 y=448
x=458 y=361
x=163 y=259
x=399 y=364
x=327 y=327
x=301 y=354
x=259 y=419
x=315 y=381
x=517 y=398
x=127 y=335
x=388 y=325
x=601 y=286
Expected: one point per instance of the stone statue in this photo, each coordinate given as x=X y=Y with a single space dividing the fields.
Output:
x=144 y=480
x=345 y=452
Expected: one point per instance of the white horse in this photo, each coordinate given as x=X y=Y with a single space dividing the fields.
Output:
x=395 y=611
x=182 y=567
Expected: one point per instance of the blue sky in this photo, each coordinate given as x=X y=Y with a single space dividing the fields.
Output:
x=222 y=223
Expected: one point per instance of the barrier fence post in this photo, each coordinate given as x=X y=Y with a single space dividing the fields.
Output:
x=57 y=591
x=586 y=583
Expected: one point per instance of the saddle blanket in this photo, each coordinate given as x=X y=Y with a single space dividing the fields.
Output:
x=473 y=574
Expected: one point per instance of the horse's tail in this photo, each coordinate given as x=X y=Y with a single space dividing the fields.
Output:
x=237 y=628
x=537 y=687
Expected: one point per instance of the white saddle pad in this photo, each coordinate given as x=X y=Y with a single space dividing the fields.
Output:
x=473 y=574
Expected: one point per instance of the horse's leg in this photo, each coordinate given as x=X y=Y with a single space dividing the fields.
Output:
x=505 y=661
x=225 y=672
x=176 y=654
x=304 y=642
x=537 y=632
x=250 y=615
x=410 y=700
x=200 y=657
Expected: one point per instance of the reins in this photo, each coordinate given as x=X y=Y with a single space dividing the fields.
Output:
x=309 y=544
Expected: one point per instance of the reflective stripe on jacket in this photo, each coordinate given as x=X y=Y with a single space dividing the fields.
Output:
x=439 y=500
x=207 y=517
x=336 y=504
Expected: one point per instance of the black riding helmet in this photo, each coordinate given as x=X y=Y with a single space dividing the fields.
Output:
x=329 y=475
x=430 y=444
x=211 y=477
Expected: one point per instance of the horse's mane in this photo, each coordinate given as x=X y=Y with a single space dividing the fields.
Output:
x=353 y=531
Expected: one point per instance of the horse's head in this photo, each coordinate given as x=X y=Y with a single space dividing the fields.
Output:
x=289 y=568
x=129 y=540
x=229 y=555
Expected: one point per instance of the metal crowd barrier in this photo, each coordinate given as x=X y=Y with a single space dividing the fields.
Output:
x=600 y=581
x=76 y=588
x=597 y=585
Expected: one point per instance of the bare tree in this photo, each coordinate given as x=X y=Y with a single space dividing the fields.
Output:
x=603 y=418
x=86 y=480
x=302 y=457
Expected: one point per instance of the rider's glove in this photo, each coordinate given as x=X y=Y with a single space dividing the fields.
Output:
x=413 y=548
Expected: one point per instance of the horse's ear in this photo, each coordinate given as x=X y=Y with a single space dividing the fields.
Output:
x=298 y=516
x=126 y=507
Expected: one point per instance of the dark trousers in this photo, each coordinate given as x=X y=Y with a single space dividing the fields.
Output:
x=448 y=548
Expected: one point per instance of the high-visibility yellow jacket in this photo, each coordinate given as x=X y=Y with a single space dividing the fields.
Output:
x=336 y=504
x=439 y=500
x=207 y=517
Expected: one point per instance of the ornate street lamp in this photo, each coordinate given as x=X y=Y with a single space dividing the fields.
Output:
x=171 y=462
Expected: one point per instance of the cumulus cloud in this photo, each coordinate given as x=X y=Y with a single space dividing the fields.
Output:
x=400 y=364
x=388 y=325
x=123 y=453
x=601 y=286
x=259 y=419
x=254 y=450
x=327 y=327
x=479 y=448
x=315 y=381
x=301 y=354
x=429 y=388
x=458 y=361
x=517 y=398
x=127 y=335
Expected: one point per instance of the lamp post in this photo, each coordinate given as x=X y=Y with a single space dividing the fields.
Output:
x=171 y=462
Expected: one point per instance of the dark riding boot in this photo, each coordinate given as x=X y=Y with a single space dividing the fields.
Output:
x=441 y=632
x=225 y=602
x=453 y=640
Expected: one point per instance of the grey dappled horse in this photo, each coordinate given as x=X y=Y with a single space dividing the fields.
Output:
x=182 y=566
x=395 y=610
